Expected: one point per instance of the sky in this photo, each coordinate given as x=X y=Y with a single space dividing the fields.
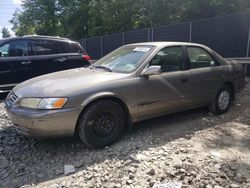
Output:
x=7 y=8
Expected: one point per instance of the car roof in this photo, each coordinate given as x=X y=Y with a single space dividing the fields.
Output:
x=37 y=37
x=2 y=40
x=165 y=43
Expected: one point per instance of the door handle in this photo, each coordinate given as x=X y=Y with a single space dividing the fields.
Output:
x=183 y=80
x=26 y=62
x=61 y=59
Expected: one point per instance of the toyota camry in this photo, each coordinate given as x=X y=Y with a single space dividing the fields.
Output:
x=133 y=83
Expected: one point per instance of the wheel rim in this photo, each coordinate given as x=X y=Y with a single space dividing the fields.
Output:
x=104 y=124
x=223 y=100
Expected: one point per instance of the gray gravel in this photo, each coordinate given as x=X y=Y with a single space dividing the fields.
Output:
x=193 y=148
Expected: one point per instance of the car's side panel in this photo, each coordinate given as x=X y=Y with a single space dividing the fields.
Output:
x=166 y=92
x=204 y=83
x=75 y=60
x=44 y=64
x=6 y=70
x=238 y=76
x=163 y=93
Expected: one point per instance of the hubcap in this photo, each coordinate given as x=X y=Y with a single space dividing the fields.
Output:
x=104 y=124
x=224 y=100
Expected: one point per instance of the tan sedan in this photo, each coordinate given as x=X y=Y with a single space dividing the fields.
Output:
x=133 y=83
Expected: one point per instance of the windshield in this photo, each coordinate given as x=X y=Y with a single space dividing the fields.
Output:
x=125 y=59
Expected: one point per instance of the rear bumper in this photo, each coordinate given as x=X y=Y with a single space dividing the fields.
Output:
x=44 y=123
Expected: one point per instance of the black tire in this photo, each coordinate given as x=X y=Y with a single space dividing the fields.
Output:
x=101 y=124
x=214 y=107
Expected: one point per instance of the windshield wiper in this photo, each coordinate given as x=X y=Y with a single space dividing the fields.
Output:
x=103 y=67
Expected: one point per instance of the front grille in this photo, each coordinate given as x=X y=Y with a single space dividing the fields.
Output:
x=12 y=99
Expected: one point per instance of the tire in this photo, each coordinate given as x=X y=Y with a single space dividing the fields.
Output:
x=101 y=124
x=222 y=101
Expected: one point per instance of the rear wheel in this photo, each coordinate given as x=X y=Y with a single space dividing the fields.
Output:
x=222 y=100
x=101 y=124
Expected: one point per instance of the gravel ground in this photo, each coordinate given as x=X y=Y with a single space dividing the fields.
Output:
x=193 y=148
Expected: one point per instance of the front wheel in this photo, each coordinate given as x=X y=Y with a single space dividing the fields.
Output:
x=222 y=101
x=101 y=124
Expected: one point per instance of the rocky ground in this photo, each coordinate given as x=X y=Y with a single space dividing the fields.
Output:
x=192 y=149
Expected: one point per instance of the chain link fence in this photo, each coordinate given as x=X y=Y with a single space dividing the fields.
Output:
x=228 y=35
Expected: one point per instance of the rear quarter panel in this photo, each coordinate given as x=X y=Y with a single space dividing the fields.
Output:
x=235 y=74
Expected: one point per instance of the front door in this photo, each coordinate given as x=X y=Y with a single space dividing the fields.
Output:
x=167 y=92
x=14 y=63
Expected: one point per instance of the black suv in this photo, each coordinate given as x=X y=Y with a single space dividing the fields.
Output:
x=26 y=57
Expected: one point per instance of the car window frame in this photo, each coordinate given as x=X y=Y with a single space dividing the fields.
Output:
x=184 y=62
x=17 y=40
x=206 y=50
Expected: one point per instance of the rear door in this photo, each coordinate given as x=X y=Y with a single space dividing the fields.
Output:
x=46 y=57
x=205 y=75
x=14 y=62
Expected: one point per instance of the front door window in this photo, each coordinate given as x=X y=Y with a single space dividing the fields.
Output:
x=14 y=49
x=170 y=59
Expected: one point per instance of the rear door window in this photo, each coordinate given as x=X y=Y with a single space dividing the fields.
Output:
x=44 y=47
x=199 y=58
x=4 y=49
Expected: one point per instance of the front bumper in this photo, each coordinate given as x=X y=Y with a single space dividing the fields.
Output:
x=44 y=123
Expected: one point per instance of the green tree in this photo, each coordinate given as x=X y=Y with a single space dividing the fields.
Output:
x=5 y=33
x=38 y=16
x=22 y=25
x=196 y=9
x=85 y=18
x=73 y=18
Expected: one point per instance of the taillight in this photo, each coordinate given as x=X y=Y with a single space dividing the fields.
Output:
x=86 y=57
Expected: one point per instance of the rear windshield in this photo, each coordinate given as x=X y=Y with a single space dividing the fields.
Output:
x=77 y=48
x=125 y=59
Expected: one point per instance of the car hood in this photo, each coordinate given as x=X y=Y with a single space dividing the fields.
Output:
x=65 y=83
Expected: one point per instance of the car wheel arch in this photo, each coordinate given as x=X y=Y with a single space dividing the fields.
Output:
x=232 y=88
x=106 y=96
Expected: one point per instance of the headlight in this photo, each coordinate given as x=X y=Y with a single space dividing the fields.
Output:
x=43 y=103
x=52 y=103
x=29 y=102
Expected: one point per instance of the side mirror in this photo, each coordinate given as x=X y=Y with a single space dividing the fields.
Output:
x=152 y=70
